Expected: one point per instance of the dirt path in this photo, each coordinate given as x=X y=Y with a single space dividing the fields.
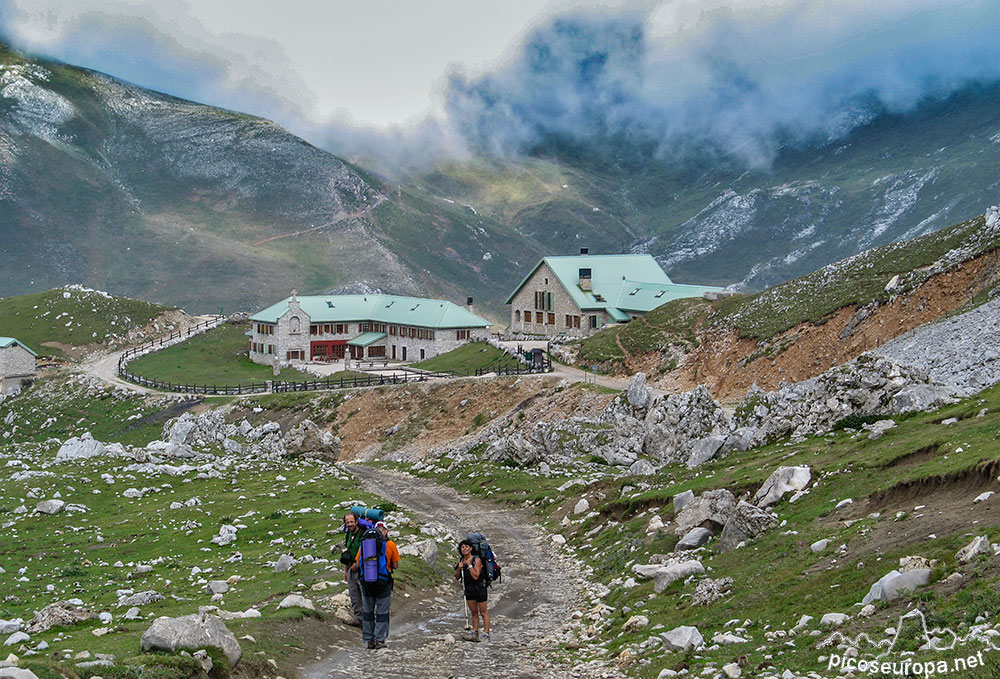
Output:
x=537 y=596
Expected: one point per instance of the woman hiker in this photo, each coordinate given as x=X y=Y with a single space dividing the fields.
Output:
x=469 y=570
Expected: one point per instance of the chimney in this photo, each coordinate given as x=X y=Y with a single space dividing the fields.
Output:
x=584 y=251
x=585 y=279
x=468 y=305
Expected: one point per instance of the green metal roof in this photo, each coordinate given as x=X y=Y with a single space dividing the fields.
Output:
x=10 y=341
x=366 y=338
x=393 y=309
x=619 y=315
x=641 y=296
x=614 y=278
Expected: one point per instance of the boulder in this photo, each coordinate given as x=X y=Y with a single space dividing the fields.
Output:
x=781 y=481
x=704 y=450
x=693 y=539
x=191 y=632
x=50 y=506
x=309 y=439
x=667 y=575
x=683 y=638
x=979 y=545
x=892 y=583
x=636 y=622
x=581 y=506
x=878 y=429
x=61 y=613
x=636 y=393
x=642 y=468
x=297 y=601
x=921 y=397
x=80 y=448
x=16 y=638
x=715 y=506
x=709 y=590
x=16 y=673
x=217 y=587
x=425 y=550
x=819 y=545
x=285 y=563
x=747 y=522
x=139 y=599
x=681 y=500
x=834 y=619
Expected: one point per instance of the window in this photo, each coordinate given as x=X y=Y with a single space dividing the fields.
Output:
x=376 y=352
x=634 y=291
x=420 y=333
x=430 y=334
x=294 y=325
x=392 y=330
x=298 y=354
x=551 y=320
x=422 y=354
x=265 y=329
x=517 y=315
x=314 y=329
x=660 y=293
x=463 y=334
x=543 y=300
x=539 y=317
x=341 y=328
x=527 y=316
x=413 y=332
x=593 y=322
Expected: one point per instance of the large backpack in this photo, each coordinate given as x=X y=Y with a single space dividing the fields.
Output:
x=481 y=548
x=374 y=570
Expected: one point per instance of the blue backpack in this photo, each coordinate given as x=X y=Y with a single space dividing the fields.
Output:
x=374 y=570
x=481 y=548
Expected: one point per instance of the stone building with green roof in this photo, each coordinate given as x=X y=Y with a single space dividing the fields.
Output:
x=17 y=364
x=380 y=327
x=578 y=295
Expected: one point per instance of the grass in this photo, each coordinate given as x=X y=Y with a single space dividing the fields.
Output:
x=468 y=358
x=280 y=507
x=218 y=356
x=891 y=469
x=72 y=316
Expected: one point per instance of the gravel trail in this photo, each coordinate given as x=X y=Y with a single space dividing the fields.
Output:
x=539 y=592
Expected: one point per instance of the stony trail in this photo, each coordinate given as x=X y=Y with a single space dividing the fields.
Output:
x=540 y=590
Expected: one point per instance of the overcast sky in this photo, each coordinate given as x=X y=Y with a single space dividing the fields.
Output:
x=376 y=61
x=406 y=79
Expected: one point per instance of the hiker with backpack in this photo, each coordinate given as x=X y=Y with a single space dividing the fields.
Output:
x=471 y=569
x=379 y=557
x=349 y=557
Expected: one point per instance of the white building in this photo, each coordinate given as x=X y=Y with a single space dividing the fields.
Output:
x=17 y=364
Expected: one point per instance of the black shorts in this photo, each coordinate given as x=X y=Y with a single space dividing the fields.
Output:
x=479 y=594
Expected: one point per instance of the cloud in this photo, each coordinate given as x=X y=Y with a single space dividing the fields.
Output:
x=164 y=47
x=734 y=77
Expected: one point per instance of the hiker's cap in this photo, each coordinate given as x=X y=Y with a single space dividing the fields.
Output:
x=381 y=524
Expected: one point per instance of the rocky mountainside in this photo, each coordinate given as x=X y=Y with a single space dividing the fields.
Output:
x=150 y=196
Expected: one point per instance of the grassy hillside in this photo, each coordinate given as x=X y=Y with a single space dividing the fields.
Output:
x=467 y=359
x=912 y=493
x=73 y=316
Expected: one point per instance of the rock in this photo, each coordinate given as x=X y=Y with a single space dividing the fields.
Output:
x=694 y=538
x=226 y=536
x=80 y=448
x=747 y=522
x=133 y=613
x=310 y=440
x=16 y=638
x=50 y=506
x=979 y=545
x=636 y=393
x=894 y=582
x=681 y=500
x=704 y=450
x=732 y=670
x=683 y=638
x=16 y=673
x=204 y=661
x=10 y=626
x=285 y=563
x=191 y=632
x=911 y=563
x=634 y=623
x=781 y=481
x=642 y=468
x=715 y=506
x=921 y=397
x=727 y=639
x=61 y=613
x=709 y=591
x=878 y=429
x=140 y=599
x=425 y=550
x=297 y=601
x=581 y=506
x=819 y=545
x=834 y=619
x=667 y=575
x=558 y=540
x=217 y=587
x=983 y=497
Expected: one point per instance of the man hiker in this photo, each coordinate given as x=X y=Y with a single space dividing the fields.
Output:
x=352 y=575
x=377 y=596
x=471 y=571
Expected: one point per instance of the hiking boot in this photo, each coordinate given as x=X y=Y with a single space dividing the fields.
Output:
x=379 y=644
x=475 y=635
x=372 y=646
x=485 y=637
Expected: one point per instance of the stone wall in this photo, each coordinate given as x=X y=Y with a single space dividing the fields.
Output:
x=16 y=364
x=544 y=280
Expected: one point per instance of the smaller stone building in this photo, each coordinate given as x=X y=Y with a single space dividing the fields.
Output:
x=17 y=364
x=578 y=295
x=378 y=327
